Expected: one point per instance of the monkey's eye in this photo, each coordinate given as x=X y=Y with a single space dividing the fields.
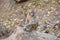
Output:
x=20 y=1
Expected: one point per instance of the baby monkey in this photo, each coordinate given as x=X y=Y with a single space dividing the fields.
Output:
x=31 y=27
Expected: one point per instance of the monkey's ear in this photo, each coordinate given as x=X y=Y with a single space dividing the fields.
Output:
x=20 y=1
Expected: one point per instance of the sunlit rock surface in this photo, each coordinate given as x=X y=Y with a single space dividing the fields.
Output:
x=20 y=34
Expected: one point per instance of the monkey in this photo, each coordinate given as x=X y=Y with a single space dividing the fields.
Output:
x=31 y=27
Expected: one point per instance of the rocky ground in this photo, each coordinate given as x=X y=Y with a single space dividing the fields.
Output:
x=46 y=14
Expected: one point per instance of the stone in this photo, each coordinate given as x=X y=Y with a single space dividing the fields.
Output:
x=20 y=34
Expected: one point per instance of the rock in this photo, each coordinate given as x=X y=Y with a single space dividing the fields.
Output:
x=5 y=32
x=57 y=29
x=20 y=1
x=20 y=34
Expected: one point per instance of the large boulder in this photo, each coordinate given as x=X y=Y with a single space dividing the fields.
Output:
x=20 y=34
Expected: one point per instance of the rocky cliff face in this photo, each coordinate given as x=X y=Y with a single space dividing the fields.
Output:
x=13 y=18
